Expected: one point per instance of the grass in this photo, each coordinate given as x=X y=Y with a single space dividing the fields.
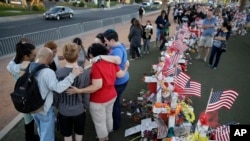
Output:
x=5 y=13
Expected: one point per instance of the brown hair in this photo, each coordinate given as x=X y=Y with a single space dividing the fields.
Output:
x=70 y=52
x=51 y=45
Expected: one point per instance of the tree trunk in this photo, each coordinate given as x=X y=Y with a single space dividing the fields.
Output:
x=242 y=5
x=164 y=4
x=24 y=2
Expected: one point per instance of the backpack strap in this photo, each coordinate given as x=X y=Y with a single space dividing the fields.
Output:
x=36 y=69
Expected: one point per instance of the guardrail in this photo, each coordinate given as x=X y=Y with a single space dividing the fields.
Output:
x=8 y=44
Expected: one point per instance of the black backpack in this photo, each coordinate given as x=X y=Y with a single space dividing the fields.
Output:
x=26 y=96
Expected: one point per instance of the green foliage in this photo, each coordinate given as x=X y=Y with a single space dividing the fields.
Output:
x=38 y=7
x=74 y=4
x=81 y=4
x=91 y=5
x=4 y=6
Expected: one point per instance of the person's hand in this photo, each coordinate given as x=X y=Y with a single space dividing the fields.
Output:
x=72 y=90
x=160 y=25
x=77 y=71
x=127 y=64
x=24 y=65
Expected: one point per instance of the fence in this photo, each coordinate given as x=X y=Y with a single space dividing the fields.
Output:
x=8 y=44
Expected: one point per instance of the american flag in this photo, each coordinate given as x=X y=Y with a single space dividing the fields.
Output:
x=221 y=99
x=222 y=133
x=171 y=71
x=181 y=80
x=174 y=59
x=178 y=44
x=179 y=36
x=192 y=88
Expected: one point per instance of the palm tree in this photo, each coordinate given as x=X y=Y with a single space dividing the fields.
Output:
x=242 y=4
x=164 y=4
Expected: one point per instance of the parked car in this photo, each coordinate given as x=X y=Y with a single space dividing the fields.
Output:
x=146 y=5
x=156 y=5
x=58 y=12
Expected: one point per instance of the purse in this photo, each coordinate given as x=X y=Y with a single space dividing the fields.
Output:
x=223 y=47
x=217 y=43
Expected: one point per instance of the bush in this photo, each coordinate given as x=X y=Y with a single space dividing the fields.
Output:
x=81 y=4
x=38 y=7
x=74 y=4
x=4 y=6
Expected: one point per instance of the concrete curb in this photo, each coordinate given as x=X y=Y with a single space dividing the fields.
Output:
x=11 y=125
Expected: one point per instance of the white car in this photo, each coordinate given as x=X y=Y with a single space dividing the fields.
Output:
x=156 y=5
x=145 y=4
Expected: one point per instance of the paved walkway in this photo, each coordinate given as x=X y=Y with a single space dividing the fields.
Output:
x=9 y=116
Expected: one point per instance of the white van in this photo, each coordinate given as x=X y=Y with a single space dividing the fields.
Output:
x=16 y=2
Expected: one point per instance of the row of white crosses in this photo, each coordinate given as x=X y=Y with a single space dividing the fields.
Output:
x=160 y=79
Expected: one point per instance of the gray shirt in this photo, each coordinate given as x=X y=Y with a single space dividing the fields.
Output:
x=81 y=57
x=75 y=104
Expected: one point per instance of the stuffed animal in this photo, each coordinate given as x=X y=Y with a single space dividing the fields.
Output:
x=147 y=30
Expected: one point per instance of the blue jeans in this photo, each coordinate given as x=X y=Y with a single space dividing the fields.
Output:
x=45 y=125
x=117 y=106
x=216 y=52
x=146 y=43
x=158 y=34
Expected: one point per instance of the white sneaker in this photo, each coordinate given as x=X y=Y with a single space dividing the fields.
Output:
x=205 y=59
x=198 y=57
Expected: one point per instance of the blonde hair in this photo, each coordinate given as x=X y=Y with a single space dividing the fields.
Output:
x=51 y=45
x=70 y=52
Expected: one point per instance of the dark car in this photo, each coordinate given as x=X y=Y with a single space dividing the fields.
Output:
x=59 y=12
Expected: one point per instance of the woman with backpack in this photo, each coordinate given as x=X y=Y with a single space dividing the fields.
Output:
x=25 y=53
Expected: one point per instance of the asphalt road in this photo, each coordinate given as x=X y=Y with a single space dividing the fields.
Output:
x=38 y=23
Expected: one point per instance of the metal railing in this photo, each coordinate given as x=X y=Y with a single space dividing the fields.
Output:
x=8 y=44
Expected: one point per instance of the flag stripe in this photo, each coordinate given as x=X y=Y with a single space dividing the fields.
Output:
x=192 y=88
x=182 y=80
x=222 y=133
x=221 y=99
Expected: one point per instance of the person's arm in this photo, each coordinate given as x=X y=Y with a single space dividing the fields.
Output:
x=221 y=38
x=108 y=58
x=14 y=68
x=50 y=80
x=24 y=65
x=96 y=85
x=121 y=73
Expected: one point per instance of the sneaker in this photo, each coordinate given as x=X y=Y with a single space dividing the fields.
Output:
x=214 y=68
x=210 y=66
x=205 y=59
x=147 y=52
x=131 y=59
x=144 y=52
x=198 y=57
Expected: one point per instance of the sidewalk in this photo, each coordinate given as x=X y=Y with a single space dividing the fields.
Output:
x=9 y=116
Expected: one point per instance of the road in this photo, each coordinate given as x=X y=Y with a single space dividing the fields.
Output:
x=38 y=23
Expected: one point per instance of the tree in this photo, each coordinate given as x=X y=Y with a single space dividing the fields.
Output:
x=24 y=2
x=242 y=5
x=164 y=4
